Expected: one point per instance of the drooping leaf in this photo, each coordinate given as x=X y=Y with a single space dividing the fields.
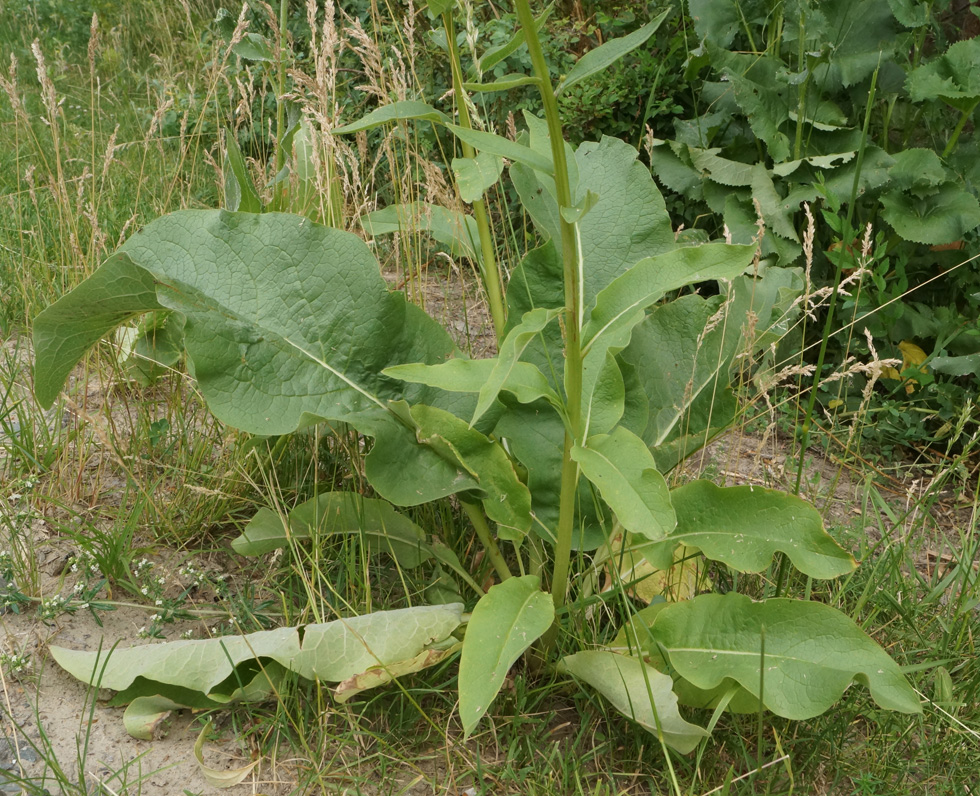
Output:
x=639 y=692
x=812 y=653
x=216 y=777
x=506 y=500
x=333 y=651
x=145 y=715
x=622 y=468
x=965 y=365
x=458 y=231
x=382 y=529
x=943 y=217
x=506 y=621
x=745 y=526
x=475 y=175
x=607 y=54
x=505 y=83
x=402 y=110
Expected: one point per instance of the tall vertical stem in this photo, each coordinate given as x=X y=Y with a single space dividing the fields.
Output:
x=279 y=189
x=572 y=268
x=490 y=269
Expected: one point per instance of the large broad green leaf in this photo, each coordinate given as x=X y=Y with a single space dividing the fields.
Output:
x=943 y=217
x=475 y=175
x=506 y=621
x=953 y=77
x=396 y=111
x=458 y=231
x=606 y=55
x=812 y=653
x=382 y=529
x=628 y=222
x=211 y=668
x=745 y=526
x=622 y=468
x=287 y=323
x=639 y=692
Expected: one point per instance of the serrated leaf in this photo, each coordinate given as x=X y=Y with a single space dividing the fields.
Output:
x=377 y=523
x=943 y=217
x=622 y=468
x=745 y=526
x=475 y=175
x=403 y=110
x=607 y=54
x=456 y=230
x=506 y=621
x=495 y=55
x=639 y=692
x=953 y=77
x=812 y=653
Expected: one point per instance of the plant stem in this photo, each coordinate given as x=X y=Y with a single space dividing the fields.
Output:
x=490 y=269
x=486 y=538
x=572 y=267
x=959 y=129
x=280 y=104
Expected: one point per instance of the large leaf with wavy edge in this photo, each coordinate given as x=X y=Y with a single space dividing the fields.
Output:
x=639 y=692
x=210 y=668
x=812 y=653
x=745 y=526
x=287 y=323
x=622 y=468
x=506 y=621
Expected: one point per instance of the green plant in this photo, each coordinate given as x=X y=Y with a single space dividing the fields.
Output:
x=560 y=441
x=843 y=105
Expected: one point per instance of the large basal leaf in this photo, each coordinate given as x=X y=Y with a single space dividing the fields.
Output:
x=639 y=692
x=333 y=651
x=506 y=621
x=812 y=653
x=287 y=323
x=745 y=526
x=382 y=529
x=622 y=468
